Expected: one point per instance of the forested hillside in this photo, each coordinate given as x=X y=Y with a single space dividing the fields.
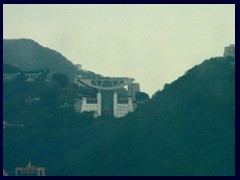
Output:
x=188 y=128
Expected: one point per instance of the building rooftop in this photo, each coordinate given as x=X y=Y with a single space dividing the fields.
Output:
x=106 y=83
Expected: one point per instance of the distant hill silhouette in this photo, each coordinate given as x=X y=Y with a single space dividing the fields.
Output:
x=187 y=129
x=8 y=69
x=28 y=55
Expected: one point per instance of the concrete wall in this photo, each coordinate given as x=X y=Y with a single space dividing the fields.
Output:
x=120 y=110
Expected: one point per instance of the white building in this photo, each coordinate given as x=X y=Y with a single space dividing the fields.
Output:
x=78 y=66
x=82 y=105
x=121 y=109
x=107 y=98
x=31 y=77
x=229 y=51
x=10 y=77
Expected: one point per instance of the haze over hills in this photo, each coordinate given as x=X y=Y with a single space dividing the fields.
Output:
x=188 y=128
x=28 y=55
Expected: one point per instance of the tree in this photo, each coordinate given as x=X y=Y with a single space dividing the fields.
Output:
x=142 y=97
x=61 y=79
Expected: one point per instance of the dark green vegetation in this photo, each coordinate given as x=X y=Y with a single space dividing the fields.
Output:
x=188 y=128
x=8 y=69
x=142 y=97
x=28 y=55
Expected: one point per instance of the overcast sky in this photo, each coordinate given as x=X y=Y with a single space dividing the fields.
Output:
x=154 y=44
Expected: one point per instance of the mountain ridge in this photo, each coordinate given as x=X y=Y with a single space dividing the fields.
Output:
x=28 y=55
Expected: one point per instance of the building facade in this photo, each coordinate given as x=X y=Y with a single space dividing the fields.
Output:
x=85 y=104
x=133 y=88
x=122 y=107
x=108 y=100
x=30 y=171
x=10 y=77
x=229 y=50
x=30 y=77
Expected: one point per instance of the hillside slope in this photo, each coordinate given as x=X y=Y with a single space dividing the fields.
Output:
x=28 y=55
x=187 y=129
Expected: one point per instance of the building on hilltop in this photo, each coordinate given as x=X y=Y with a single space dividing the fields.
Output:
x=78 y=66
x=30 y=77
x=30 y=171
x=110 y=98
x=10 y=77
x=229 y=50
x=5 y=173
x=133 y=88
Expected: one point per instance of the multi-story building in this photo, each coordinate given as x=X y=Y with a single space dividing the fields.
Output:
x=10 y=77
x=30 y=77
x=5 y=173
x=78 y=66
x=229 y=51
x=89 y=104
x=108 y=100
x=133 y=88
x=30 y=171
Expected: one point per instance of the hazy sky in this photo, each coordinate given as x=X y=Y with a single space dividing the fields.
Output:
x=155 y=44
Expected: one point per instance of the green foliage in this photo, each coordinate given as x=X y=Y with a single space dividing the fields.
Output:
x=142 y=96
x=61 y=79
